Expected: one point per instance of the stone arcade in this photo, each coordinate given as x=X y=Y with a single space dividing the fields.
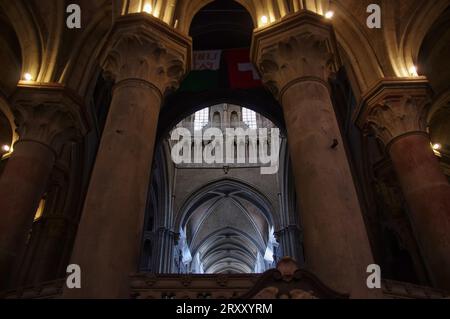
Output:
x=87 y=178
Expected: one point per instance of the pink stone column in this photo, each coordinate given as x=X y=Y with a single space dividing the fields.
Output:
x=145 y=62
x=22 y=185
x=396 y=112
x=46 y=119
x=294 y=59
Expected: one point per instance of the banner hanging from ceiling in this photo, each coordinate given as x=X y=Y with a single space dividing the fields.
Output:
x=221 y=69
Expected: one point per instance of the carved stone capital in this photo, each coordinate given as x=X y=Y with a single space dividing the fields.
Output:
x=48 y=114
x=300 y=47
x=396 y=108
x=144 y=48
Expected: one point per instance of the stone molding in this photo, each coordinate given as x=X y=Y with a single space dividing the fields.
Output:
x=395 y=108
x=141 y=47
x=157 y=286
x=301 y=47
x=48 y=114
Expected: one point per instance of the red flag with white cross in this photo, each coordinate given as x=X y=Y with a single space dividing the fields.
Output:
x=242 y=74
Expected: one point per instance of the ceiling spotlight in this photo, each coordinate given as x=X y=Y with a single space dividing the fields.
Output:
x=329 y=14
x=148 y=8
x=264 y=20
x=28 y=77
x=437 y=146
x=6 y=148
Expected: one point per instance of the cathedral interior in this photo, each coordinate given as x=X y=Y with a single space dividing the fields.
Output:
x=359 y=123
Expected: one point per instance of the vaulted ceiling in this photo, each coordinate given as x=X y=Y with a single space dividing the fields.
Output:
x=34 y=38
x=227 y=224
x=50 y=51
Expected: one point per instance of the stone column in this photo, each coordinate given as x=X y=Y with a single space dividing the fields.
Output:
x=295 y=57
x=396 y=112
x=54 y=236
x=47 y=117
x=165 y=244
x=290 y=239
x=146 y=58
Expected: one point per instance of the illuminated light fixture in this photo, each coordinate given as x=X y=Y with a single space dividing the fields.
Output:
x=264 y=20
x=148 y=8
x=329 y=14
x=28 y=77
x=437 y=146
x=40 y=210
x=413 y=71
x=6 y=148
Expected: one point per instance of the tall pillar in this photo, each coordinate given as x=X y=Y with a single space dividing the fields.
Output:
x=295 y=57
x=290 y=239
x=47 y=117
x=146 y=58
x=396 y=111
x=165 y=244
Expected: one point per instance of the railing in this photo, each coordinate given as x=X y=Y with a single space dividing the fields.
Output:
x=149 y=286
x=403 y=290
x=46 y=290
x=204 y=287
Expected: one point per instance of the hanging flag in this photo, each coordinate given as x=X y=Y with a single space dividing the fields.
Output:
x=207 y=60
x=241 y=72
x=205 y=72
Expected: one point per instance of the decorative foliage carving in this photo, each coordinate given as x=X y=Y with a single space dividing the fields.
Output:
x=303 y=55
x=288 y=281
x=398 y=115
x=142 y=57
x=48 y=116
x=47 y=124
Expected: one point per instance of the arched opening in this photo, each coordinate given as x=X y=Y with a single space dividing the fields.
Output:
x=222 y=71
x=229 y=206
x=222 y=214
x=227 y=227
x=11 y=56
x=433 y=55
x=222 y=24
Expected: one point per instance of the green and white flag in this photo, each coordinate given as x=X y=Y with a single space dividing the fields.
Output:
x=205 y=72
x=207 y=60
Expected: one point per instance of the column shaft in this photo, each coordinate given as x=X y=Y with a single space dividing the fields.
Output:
x=296 y=57
x=427 y=192
x=289 y=239
x=56 y=235
x=336 y=245
x=108 y=243
x=396 y=112
x=147 y=59
x=22 y=185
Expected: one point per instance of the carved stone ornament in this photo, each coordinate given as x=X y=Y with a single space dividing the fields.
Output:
x=288 y=281
x=299 y=47
x=48 y=114
x=396 y=109
x=143 y=48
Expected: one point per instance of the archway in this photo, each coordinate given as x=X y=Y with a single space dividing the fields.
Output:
x=227 y=226
x=433 y=54
x=222 y=72
x=221 y=216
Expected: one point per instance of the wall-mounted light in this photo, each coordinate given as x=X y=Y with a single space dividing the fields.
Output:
x=413 y=71
x=40 y=210
x=437 y=146
x=6 y=148
x=148 y=8
x=264 y=20
x=28 y=77
x=329 y=14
